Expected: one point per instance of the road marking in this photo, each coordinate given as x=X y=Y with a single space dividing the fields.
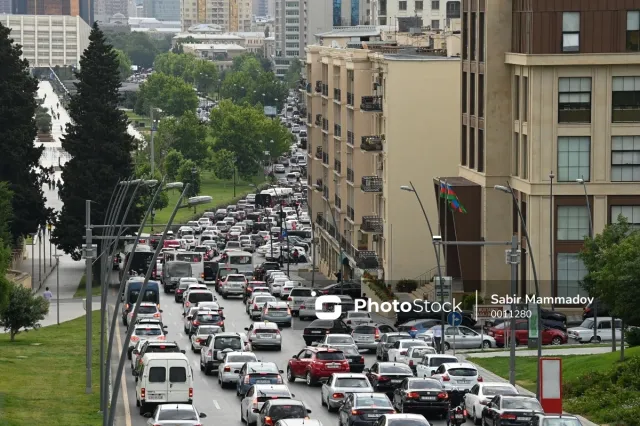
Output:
x=125 y=396
x=215 y=404
x=181 y=335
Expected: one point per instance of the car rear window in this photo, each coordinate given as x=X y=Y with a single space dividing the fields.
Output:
x=151 y=349
x=420 y=352
x=340 y=339
x=425 y=384
x=393 y=339
x=330 y=356
x=395 y=369
x=157 y=375
x=348 y=382
x=272 y=395
x=177 y=414
x=407 y=422
x=228 y=342
x=463 y=372
x=241 y=358
x=264 y=299
x=201 y=297
x=266 y=330
x=147 y=310
x=177 y=374
x=528 y=404
x=148 y=331
x=498 y=390
x=349 y=350
x=288 y=411
x=301 y=292
x=371 y=400
x=412 y=344
x=208 y=330
x=236 y=278
x=364 y=329
x=438 y=361
x=208 y=318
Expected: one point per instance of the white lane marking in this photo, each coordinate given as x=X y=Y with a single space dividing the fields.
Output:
x=215 y=404
x=125 y=396
x=180 y=334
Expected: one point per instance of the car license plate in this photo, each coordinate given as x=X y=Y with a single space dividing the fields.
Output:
x=459 y=416
x=524 y=419
x=463 y=381
x=396 y=381
x=268 y=336
x=154 y=397
x=315 y=331
x=428 y=398
x=373 y=416
x=263 y=381
x=277 y=314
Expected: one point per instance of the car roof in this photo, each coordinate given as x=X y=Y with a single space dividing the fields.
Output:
x=267 y=387
x=176 y=407
x=286 y=402
x=339 y=335
x=390 y=364
x=350 y=375
x=148 y=326
x=278 y=304
x=495 y=384
x=406 y=416
x=368 y=394
x=265 y=324
x=323 y=349
x=397 y=333
x=227 y=334
x=166 y=355
x=156 y=343
x=448 y=365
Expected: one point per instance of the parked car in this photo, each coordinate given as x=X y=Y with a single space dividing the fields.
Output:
x=603 y=331
x=501 y=333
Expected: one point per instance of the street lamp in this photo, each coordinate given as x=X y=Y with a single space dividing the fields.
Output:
x=581 y=181
x=551 y=239
x=57 y=256
x=153 y=217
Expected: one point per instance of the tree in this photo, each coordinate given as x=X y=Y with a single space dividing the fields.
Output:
x=43 y=120
x=124 y=64
x=143 y=171
x=6 y=212
x=292 y=77
x=24 y=310
x=223 y=164
x=98 y=143
x=248 y=82
x=172 y=163
x=188 y=174
x=5 y=284
x=20 y=160
x=186 y=134
x=193 y=70
x=170 y=94
x=139 y=47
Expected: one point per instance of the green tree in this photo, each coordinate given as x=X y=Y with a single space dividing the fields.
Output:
x=188 y=173
x=20 y=159
x=6 y=212
x=196 y=71
x=172 y=163
x=292 y=77
x=170 y=94
x=223 y=164
x=98 y=143
x=5 y=284
x=143 y=171
x=274 y=130
x=124 y=64
x=186 y=134
x=43 y=120
x=25 y=310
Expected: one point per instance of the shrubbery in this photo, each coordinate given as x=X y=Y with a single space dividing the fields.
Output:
x=379 y=287
x=406 y=286
x=632 y=337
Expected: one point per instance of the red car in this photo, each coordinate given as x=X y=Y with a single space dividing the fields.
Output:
x=550 y=336
x=314 y=364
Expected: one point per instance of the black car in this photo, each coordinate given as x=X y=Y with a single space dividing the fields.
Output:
x=178 y=295
x=364 y=409
x=348 y=288
x=590 y=309
x=386 y=376
x=425 y=312
x=206 y=318
x=356 y=361
x=278 y=409
x=318 y=329
x=260 y=271
x=510 y=410
x=210 y=271
x=421 y=396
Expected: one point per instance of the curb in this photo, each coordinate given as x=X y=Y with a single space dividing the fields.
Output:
x=53 y=268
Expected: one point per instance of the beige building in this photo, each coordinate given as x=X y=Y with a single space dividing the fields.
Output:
x=221 y=54
x=377 y=121
x=231 y=15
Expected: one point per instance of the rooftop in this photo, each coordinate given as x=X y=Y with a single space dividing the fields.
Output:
x=204 y=28
x=195 y=46
x=159 y=30
x=388 y=50
x=356 y=31
x=208 y=36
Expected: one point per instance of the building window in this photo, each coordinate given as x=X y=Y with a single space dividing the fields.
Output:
x=402 y=5
x=473 y=36
x=525 y=98
x=516 y=154
x=418 y=5
x=633 y=31
x=435 y=24
x=481 y=150
x=525 y=157
x=626 y=100
x=435 y=5
x=573 y=158
x=465 y=35
x=472 y=148
x=465 y=99
x=481 y=95
x=574 y=100
x=516 y=96
x=463 y=146
x=571 y=271
x=472 y=98
x=625 y=159
x=571 y=32
x=573 y=223
x=481 y=36
x=631 y=213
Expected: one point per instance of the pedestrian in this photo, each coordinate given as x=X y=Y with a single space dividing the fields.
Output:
x=58 y=105
x=47 y=295
x=338 y=276
x=58 y=116
x=437 y=337
x=281 y=260
x=296 y=257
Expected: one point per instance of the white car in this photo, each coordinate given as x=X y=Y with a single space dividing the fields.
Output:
x=287 y=287
x=481 y=394
x=251 y=405
x=188 y=242
x=279 y=168
x=230 y=367
x=145 y=332
x=339 y=384
x=461 y=376
x=430 y=363
x=276 y=286
x=584 y=333
x=461 y=338
x=338 y=339
x=145 y=311
x=398 y=352
x=354 y=319
x=416 y=354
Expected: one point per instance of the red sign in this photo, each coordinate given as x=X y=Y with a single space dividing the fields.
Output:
x=551 y=385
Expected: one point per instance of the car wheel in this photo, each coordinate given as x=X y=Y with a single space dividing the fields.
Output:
x=278 y=348
x=193 y=349
x=241 y=416
x=290 y=376
x=143 y=409
x=447 y=346
x=475 y=418
x=309 y=379
x=486 y=344
x=595 y=339
x=322 y=401
x=207 y=371
x=201 y=367
x=556 y=341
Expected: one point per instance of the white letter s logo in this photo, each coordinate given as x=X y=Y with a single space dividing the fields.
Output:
x=337 y=310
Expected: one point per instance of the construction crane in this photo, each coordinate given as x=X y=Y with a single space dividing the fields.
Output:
x=234 y=22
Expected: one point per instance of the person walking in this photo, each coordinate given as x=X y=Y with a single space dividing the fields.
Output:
x=437 y=337
x=47 y=295
x=296 y=257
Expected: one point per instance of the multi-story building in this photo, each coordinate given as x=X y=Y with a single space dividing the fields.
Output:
x=49 y=41
x=549 y=86
x=371 y=131
x=221 y=54
x=82 y=8
x=162 y=10
x=5 y=6
x=105 y=9
x=435 y=14
x=231 y=15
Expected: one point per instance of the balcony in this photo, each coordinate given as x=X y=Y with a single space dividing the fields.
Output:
x=325 y=192
x=366 y=259
x=308 y=87
x=337 y=166
x=320 y=220
x=318 y=184
x=372 y=225
x=371 y=103
x=337 y=95
x=350 y=137
x=318 y=119
x=371 y=143
x=350 y=174
x=325 y=158
x=319 y=86
x=319 y=152
x=325 y=124
x=351 y=214
x=350 y=98
x=371 y=184
x=337 y=130
x=325 y=90
x=331 y=229
x=338 y=201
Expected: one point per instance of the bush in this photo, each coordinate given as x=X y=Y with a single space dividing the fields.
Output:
x=632 y=337
x=406 y=286
x=469 y=300
x=380 y=289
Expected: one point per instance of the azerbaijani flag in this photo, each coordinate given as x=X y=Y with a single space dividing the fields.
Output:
x=448 y=194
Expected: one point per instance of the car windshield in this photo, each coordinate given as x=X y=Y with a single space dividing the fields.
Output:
x=412 y=344
x=330 y=356
x=208 y=330
x=561 y=422
x=348 y=382
x=438 y=361
x=498 y=390
x=588 y=323
x=420 y=352
x=177 y=414
x=148 y=332
x=463 y=372
x=278 y=412
x=236 y=278
x=349 y=350
x=269 y=368
x=529 y=404
x=228 y=342
x=208 y=318
x=183 y=286
x=201 y=297
x=372 y=400
x=147 y=310
x=395 y=369
x=365 y=329
x=393 y=339
x=189 y=257
x=425 y=384
x=407 y=422
x=241 y=358
x=339 y=339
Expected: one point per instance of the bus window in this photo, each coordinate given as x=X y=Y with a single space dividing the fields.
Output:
x=189 y=257
x=239 y=260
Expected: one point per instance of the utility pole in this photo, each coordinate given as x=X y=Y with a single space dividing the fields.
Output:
x=513 y=259
x=152 y=155
x=88 y=255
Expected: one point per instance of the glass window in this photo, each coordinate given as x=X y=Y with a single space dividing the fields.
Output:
x=465 y=35
x=525 y=157
x=633 y=31
x=435 y=24
x=472 y=148
x=472 y=93
x=516 y=97
x=473 y=36
x=571 y=271
x=571 y=32
x=435 y=5
x=177 y=374
x=574 y=100
x=402 y=5
x=573 y=223
x=516 y=154
x=157 y=375
x=481 y=54
x=480 y=150
x=574 y=158
x=625 y=98
x=463 y=146
x=631 y=213
x=625 y=158
x=418 y=5
x=525 y=98
x=481 y=95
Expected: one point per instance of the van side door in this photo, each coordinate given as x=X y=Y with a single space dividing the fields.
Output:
x=154 y=380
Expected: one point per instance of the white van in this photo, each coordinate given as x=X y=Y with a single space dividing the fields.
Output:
x=163 y=378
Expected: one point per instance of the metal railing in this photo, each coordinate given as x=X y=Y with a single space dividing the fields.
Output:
x=337 y=166
x=337 y=130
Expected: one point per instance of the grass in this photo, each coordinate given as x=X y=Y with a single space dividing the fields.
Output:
x=573 y=366
x=43 y=379
x=524 y=348
x=221 y=193
x=29 y=240
x=81 y=291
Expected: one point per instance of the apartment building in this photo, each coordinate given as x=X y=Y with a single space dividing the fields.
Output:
x=435 y=14
x=377 y=121
x=82 y=8
x=549 y=86
x=49 y=40
x=162 y=10
x=231 y=15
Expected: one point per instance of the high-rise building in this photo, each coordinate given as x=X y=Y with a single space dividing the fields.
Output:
x=82 y=8
x=260 y=8
x=5 y=6
x=231 y=15
x=105 y=9
x=162 y=10
x=406 y=14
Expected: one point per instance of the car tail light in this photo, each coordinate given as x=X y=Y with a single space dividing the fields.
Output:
x=413 y=329
x=255 y=402
x=348 y=321
x=227 y=369
x=410 y=363
x=361 y=360
x=302 y=307
x=202 y=275
x=220 y=323
x=179 y=291
x=196 y=323
x=156 y=315
x=187 y=304
x=143 y=393
x=289 y=299
x=443 y=395
x=446 y=378
x=127 y=307
x=255 y=307
x=338 y=395
x=480 y=379
x=210 y=353
x=268 y=421
x=162 y=338
x=247 y=380
x=356 y=413
x=279 y=380
x=383 y=379
x=377 y=336
x=190 y=392
x=134 y=338
x=508 y=416
x=403 y=352
x=413 y=395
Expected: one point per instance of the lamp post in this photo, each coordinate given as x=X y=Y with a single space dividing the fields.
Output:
x=595 y=301
x=551 y=235
x=152 y=153
x=57 y=256
x=153 y=217
x=194 y=190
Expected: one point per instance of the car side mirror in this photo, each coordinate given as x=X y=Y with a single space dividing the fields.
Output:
x=433 y=373
x=165 y=332
x=184 y=315
x=203 y=415
x=135 y=374
x=189 y=318
x=222 y=318
x=165 y=326
x=183 y=351
x=294 y=357
x=281 y=371
x=136 y=377
x=160 y=310
x=255 y=410
x=135 y=351
x=236 y=371
x=308 y=411
x=148 y=415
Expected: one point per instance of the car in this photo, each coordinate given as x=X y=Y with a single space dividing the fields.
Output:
x=430 y=363
x=229 y=371
x=386 y=376
x=287 y=287
x=275 y=410
x=461 y=338
x=171 y=414
x=596 y=307
x=415 y=327
x=204 y=317
x=416 y=354
x=189 y=316
x=386 y=342
x=501 y=333
x=179 y=292
x=348 y=288
x=257 y=372
x=215 y=348
x=149 y=346
x=460 y=376
x=146 y=310
x=319 y=329
x=299 y=296
x=339 y=384
x=314 y=364
x=199 y=336
x=279 y=168
x=585 y=332
x=353 y=319
x=276 y=285
x=367 y=336
x=264 y=334
x=258 y=301
x=255 y=398
x=481 y=394
x=421 y=396
x=248 y=290
x=514 y=409
x=151 y=332
x=398 y=352
x=277 y=312
x=364 y=409
x=402 y=419
x=254 y=292
x=299 y=422
x=554 y=420
x=260 y=271
x=233 y=285
x=337 y=339
x=356 y=360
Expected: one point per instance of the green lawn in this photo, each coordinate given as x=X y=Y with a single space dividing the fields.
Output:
x=81 y=291
x=43 y=380
x=573 y=366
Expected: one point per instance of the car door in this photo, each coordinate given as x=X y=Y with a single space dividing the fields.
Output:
x=263 y=413
x=345 y=409
x=471 y=398
x=373 y=374
x=522 y=332
x=453 y=337
x=326 y=387
x=243 y=372
x=604 y=330
x=179 y=373
x=470 y=338
x=381 y=344
x=207 y=351
x=300 y=364
x=155 y=382
x=492 y=411
x=399 y=393
x=247 y=401
x=392 y=353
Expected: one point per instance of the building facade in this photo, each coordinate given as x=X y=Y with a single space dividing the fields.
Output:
x=367 y=138
x=49 y=41
x=162 y=10
x=435 y=14
x=231 y=15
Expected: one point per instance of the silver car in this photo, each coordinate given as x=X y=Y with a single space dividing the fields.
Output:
x=200 y=336
x=277 y=312
x=257 y=303
x=339 y=384
x=297 y=297
x=264 y=334
x=175 y=414
x=233 y=285
x=354 y=319
x=230 y=367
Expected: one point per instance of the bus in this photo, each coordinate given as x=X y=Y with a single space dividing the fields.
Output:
x=141 y=260
x=194 y=258
x=132 y=291
x=241 y=260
